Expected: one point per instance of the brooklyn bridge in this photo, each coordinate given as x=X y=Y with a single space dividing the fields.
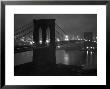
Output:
x=44 y=37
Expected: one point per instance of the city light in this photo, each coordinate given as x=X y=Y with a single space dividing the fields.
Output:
x=87 y=47
x=31 y=42
x=95 y=41
x=66 y=38
x=58 y=39
x=58 y=46
x=47 y=41
x=40 y=41
x=91 y=52
x=22 y=39
x=85 y=39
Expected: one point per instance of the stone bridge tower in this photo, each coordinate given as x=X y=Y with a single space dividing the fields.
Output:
x=43 y=55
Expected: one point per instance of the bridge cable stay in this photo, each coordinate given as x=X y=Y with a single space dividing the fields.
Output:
x=61 y=29
x=27 y=29
x=24 y=30
x=27 y=33
x=58 y=35
x=19 y=29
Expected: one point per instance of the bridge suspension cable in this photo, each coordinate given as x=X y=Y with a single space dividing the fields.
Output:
x=23 y=30
x=26 y=25
x=58 y=35
x=61 y=29
x=27 y=29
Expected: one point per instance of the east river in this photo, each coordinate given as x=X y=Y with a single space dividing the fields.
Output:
x=67 y=57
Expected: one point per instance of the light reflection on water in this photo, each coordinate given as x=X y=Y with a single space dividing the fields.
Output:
x=91 y=57
x=66 y=58
x=87 y=57
x=69 y=57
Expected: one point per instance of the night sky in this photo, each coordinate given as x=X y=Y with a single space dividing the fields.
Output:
x=70 y=23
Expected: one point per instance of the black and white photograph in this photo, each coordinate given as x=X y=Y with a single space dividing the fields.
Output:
x=55 y=44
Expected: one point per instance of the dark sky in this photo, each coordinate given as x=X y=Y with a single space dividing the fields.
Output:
x=70 y=23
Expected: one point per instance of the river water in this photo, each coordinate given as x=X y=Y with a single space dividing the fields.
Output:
x=76 y=57
x=67 y=57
